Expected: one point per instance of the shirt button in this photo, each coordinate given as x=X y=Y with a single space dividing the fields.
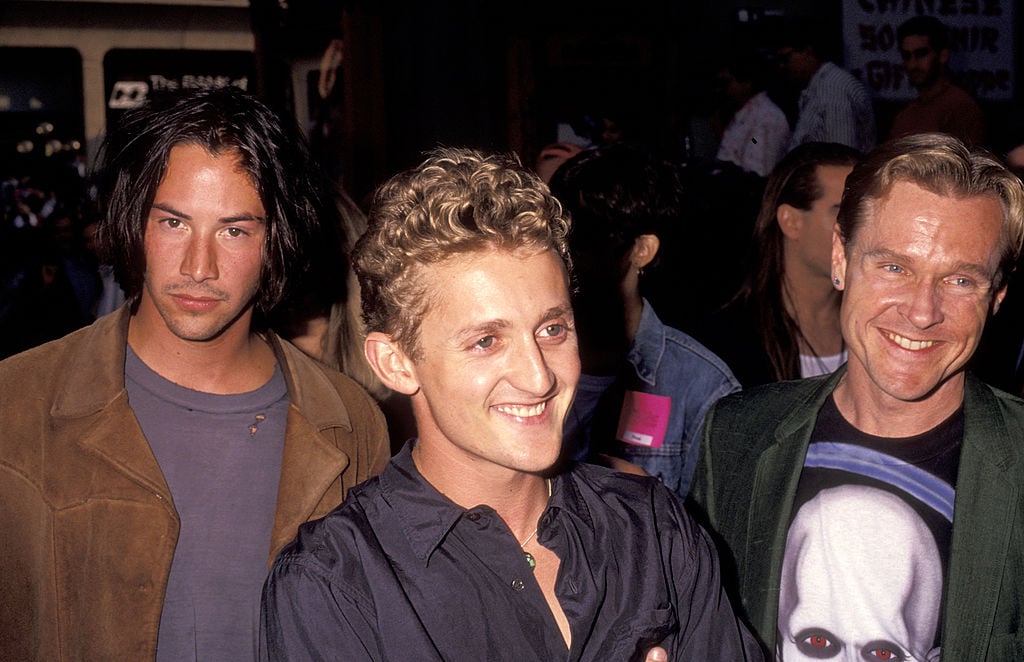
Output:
x=518 y=584
x=473 y=517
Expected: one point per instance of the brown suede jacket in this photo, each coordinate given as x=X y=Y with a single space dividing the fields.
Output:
x=87 y=526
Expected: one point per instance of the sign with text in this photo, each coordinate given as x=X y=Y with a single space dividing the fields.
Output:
x=131 y=75
x=981 y=44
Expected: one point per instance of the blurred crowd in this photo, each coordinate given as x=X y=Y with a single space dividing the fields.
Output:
x=51 y=278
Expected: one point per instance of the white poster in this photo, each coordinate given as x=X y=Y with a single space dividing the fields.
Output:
x=981 y=44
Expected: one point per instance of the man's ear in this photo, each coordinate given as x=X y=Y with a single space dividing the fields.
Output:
x=838 y=260
x=997 y=300
x=390 y=363
x=645 y=247
x=790 y=220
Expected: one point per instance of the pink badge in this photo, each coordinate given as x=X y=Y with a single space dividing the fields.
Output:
x=644 y=419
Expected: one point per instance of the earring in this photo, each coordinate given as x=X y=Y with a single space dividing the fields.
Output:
x=835 y=281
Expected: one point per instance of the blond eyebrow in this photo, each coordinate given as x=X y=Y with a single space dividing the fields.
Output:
x=558 y=311
x=461 y=336
x=238 y=218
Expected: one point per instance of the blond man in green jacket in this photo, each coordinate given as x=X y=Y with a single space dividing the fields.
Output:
x=878 y=512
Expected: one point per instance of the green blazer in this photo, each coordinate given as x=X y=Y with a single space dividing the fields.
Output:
x=752 y=452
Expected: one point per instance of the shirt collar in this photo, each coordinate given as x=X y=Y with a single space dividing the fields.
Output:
x=427 y=516
x=822 y=72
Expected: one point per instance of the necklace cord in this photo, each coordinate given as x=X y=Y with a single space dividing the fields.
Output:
x=529 y=557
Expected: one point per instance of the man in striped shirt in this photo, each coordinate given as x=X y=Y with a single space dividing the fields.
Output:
x=834 y=106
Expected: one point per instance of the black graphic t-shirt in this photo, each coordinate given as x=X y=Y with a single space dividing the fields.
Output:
x=868 y=543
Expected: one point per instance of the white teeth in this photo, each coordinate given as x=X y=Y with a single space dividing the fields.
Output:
x=521 y=411
x=907 y=343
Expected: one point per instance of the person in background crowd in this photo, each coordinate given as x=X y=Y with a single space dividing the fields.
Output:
x=903 y=442
x=111 y=296
x=465 y=294
x=783 y=323
x=551 y=157
x=757 y=134
x=1000 y=356
x=326 y=325
x=645 y=386
x=834 y=106
x=39 y=302
x=940 y=105
x=153 y=463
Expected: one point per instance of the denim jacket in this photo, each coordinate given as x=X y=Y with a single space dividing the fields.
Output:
x=664 y=362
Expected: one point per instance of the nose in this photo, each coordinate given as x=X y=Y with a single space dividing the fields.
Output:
x=924 y=305
x=531 y=372
x=200 y=260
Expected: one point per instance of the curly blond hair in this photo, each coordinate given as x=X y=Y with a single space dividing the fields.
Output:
x=457 y=201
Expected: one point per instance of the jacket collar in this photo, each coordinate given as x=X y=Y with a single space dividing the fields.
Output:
x=648 y=345
x=312 y=461
x=986 y=430
x=985 y=496
x=94 y=377
x=93 y=402
x=775 y=482
x=309 y=388
x=94 y=383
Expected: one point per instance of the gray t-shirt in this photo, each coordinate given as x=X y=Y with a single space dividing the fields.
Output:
x=221 y=457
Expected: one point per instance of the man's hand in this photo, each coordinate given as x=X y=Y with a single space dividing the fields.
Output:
x=657 y=654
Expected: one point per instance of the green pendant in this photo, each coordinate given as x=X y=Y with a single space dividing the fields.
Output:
x=529 y=559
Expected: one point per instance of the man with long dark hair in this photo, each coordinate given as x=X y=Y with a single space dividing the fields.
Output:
x=154 y=463
x=783 y=322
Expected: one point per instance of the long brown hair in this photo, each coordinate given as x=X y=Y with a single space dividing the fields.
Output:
x=794 y=182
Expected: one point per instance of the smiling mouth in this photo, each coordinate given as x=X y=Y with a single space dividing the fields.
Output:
x=523 y=411
x=907 y=343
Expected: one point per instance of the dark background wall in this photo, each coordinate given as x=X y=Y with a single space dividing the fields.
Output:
x=502 y=76
x=415 y=74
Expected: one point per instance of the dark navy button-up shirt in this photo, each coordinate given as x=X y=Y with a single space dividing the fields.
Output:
x=400 y=572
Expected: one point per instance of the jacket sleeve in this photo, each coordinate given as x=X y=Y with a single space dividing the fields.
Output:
x=709 y=628
x=305 y=616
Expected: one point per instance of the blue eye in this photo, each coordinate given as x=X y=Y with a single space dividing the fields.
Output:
x=485 y=342
x=553 y=330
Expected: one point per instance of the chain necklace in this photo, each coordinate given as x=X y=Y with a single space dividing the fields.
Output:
x=529 y=557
